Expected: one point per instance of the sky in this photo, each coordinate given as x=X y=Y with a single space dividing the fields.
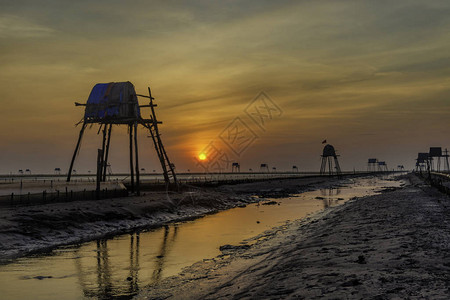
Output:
x=370 y=77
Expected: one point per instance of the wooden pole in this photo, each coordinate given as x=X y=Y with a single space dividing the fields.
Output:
x=103 y=152
x=77 y=147
x=130 y=129
x=105 y=164
x=99 y=172
x=136 y=158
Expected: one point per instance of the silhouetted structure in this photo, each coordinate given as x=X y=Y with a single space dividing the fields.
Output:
x=116 y=103
x=422 y=162
x=264 y=167
x=372 y=165
x=235 y=167
x=329 y=157
x=446 y=155
x=400 y=167
x=382 y=166
x=294 y=169
x=436 y=154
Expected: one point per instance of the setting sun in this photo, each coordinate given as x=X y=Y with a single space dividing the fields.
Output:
x=202 y=156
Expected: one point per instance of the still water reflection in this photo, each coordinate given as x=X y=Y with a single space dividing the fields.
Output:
x=120 y=266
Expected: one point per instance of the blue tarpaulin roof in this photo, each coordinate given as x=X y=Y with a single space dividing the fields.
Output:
x=114 y=100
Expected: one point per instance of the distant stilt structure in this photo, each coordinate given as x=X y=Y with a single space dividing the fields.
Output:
x=400 y=168
x=329 y=157
x=294 y=169
x=382 y=166
x=235 y=167
x=436 y=154
x=422 y=162
x=372 y=165
x=116 y=103
x=446 y=155
x=274 y=169
x=264 y=167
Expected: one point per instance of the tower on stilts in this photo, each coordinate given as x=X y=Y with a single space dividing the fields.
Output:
x=116 y=103
x=330 y=163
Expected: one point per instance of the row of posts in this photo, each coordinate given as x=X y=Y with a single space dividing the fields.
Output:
x=66 y=196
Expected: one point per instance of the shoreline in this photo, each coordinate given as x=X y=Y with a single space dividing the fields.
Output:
x=394 y=245
x=26 y=230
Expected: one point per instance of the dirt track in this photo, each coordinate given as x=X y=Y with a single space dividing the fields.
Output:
x=391 y=246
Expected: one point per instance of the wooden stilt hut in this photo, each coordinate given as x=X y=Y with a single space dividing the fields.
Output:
x=116 y=103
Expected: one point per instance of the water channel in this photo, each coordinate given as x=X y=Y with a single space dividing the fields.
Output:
x=120 y=266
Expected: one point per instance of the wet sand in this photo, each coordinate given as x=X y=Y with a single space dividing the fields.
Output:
x=395 y=245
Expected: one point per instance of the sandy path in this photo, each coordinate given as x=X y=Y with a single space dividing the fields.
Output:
x=390 y=246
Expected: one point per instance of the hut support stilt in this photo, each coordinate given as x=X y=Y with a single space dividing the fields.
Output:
x=77 y=147
x=105 y=160
x=136 y=157
x=130 y=131
x=102 y=159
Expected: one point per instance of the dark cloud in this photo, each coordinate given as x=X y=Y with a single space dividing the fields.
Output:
x=341 y=69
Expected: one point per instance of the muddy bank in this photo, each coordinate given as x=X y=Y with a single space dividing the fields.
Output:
x=28 y=229
x=395 y=245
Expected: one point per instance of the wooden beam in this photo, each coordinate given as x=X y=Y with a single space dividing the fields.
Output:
x=77 y=147
x=149 y=97
x=136 y=158
x=108 y=142
x=130 y=128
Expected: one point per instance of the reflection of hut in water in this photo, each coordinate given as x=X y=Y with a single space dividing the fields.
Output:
x=110 y=282
x=327 y=196
x=114 y=271
x=166 y=245
x=329 y=161
x=116 y=103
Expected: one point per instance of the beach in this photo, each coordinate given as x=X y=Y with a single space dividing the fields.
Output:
x=394 y=245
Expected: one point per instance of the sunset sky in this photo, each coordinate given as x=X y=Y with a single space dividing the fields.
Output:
x=370 y=77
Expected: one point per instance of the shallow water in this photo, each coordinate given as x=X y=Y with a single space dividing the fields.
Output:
x=120 y=266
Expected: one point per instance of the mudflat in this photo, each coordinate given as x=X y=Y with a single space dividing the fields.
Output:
x=39 y=228
x=395 y=245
